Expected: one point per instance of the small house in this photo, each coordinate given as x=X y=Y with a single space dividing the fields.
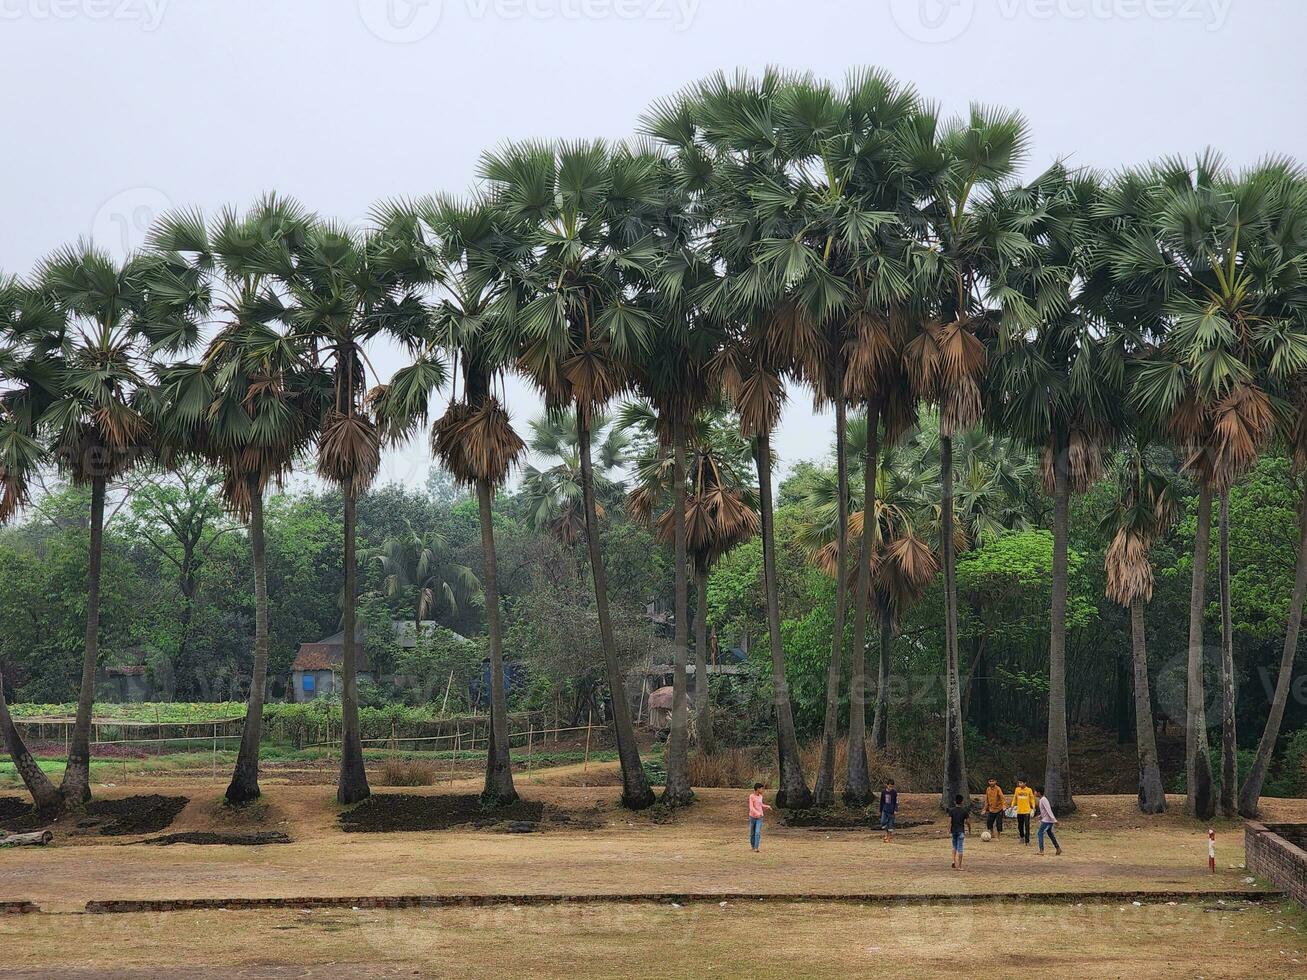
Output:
x=316 y=670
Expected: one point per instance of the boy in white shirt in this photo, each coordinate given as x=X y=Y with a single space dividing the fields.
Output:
x=1046 y=821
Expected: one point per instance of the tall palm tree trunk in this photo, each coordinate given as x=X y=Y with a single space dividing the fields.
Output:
x=245 y=780
x=824 y=789
x=49 y=801
x=1251 y=791
x=1229 y=741
x=955 y=762
x=704 y=736
x=353 y=786
x=1198 y=762
x=1152 y=797
x=880 y=719
x=857 y=780
x=76 y=786
x=677 y=791
x=1057 y=766
x=636 y=794
x=499 y=789
x=793 y=792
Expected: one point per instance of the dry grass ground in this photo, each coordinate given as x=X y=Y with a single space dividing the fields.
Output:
x=1191 y=939
x=1109 y=847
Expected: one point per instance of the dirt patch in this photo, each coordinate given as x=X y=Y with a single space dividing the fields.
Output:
x=843 y=820
x=109 y=818
x=13 y=808
x=206 y=837
x=133 y=815
x=390 y=812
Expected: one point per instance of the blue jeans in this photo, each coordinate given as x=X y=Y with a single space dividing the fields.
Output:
x=959 y=841
x=755 y=832
x=1047 y=829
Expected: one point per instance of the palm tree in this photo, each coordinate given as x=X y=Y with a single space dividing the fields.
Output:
x=725 y=132
x=841 y=190
x=472 y=249
x=1145 y=508
x=588 y=212
x=343 y=290
x=419 y=567
x=960 y=245
x=898 y=569
x=31 y=336
x=1289 y=230
x=1202 y=260
x=553 y=495
x=118 y=326
x=720 y=508
x=1057 y=386
x=251 y=406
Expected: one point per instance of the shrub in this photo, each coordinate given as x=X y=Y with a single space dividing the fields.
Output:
x=725 y=769
x=408 y=772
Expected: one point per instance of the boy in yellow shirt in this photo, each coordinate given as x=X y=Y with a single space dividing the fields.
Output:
x=1023 y=798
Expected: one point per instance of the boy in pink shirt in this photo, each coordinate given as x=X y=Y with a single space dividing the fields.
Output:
x=756 y=809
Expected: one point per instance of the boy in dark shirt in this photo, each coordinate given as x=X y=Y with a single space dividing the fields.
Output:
x=889 y=805
x=959 y=825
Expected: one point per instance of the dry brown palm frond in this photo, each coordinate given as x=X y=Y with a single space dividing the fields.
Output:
x=898 y=409
x=962 y=355
x=491 y=446
x=446 y=439
x=1129 y=572
x=1084 y=462
x=794 y=337
x=758 y=398
x=349 y=451
x=733 y=520
x=869 y=353
x=477 y=444
x=826 y=557
x=699 y=530
x=959 y=407
x=640 y=504
x=13 y=494
x=725 y=369
x=908 y=567
x=924 y=359
x=1188 y=421
x=594 y=378
x=1241 y=423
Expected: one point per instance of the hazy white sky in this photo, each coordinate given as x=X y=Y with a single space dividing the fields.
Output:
x=118 y=109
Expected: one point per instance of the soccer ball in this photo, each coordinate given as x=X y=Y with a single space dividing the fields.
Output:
x=984 y=835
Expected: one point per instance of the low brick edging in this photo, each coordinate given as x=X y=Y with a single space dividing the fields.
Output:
x=1271 y=856
x=18 y=908
x=362 y=903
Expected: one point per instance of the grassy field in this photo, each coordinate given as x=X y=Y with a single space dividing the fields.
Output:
x=1186 y=924
x=758 y=940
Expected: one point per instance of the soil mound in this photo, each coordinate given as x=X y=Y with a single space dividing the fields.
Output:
x=207 y=837
x=390 y=812
x=133 y=815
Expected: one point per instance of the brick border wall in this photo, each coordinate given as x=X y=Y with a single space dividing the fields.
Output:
x=1279 y=861
x=479 y=901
